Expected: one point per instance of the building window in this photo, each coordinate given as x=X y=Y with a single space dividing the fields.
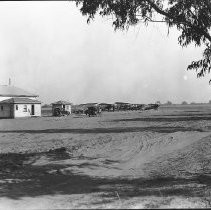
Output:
x=25 y=108
x=2 y=108
x=63 y=106
x=16 y=107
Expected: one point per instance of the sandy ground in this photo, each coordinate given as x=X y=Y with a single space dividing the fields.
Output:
x=150 y=159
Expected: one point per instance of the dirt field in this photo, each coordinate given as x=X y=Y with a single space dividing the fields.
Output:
x=150 y=159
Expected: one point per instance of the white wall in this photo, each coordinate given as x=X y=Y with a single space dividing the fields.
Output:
x=6 y=112
x=68 y=108
x=21 y=113
x=37 y=110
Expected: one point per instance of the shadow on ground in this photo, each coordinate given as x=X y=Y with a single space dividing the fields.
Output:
x=20 y=177
x=167 y=118
x=159 y=129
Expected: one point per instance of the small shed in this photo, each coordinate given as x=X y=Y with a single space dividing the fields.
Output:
x=62 y=105
x=20 y=107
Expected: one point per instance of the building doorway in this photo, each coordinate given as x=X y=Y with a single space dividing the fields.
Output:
x=32 y=110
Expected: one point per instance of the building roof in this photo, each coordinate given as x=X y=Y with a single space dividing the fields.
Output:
x=20 y=101
x=88 y=104
x=62 y=103
x=104 y=104
x=12 y=91
x=121 y=103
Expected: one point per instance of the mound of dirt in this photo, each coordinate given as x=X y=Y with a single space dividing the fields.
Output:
x=179 y=154
x=171 y=154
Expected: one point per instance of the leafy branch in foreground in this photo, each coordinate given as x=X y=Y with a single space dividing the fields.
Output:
x=191 y=17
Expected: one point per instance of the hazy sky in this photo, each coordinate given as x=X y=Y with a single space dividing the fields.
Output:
x=48 y=48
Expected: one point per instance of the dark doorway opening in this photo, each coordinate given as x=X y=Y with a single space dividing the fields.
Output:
x=32 y=110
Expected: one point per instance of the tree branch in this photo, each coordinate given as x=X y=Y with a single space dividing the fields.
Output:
x=162 y=12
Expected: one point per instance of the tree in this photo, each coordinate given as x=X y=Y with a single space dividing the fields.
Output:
x=191 y=17
x=46 y=106
x=184 y=103
x=168 y=103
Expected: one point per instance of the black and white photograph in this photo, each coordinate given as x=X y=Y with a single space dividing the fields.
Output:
x=105 y=104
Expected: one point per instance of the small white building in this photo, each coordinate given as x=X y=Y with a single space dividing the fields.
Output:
x=15 y=102
x=62 y=105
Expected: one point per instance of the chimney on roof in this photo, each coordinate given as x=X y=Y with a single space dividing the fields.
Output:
x=9 y=81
